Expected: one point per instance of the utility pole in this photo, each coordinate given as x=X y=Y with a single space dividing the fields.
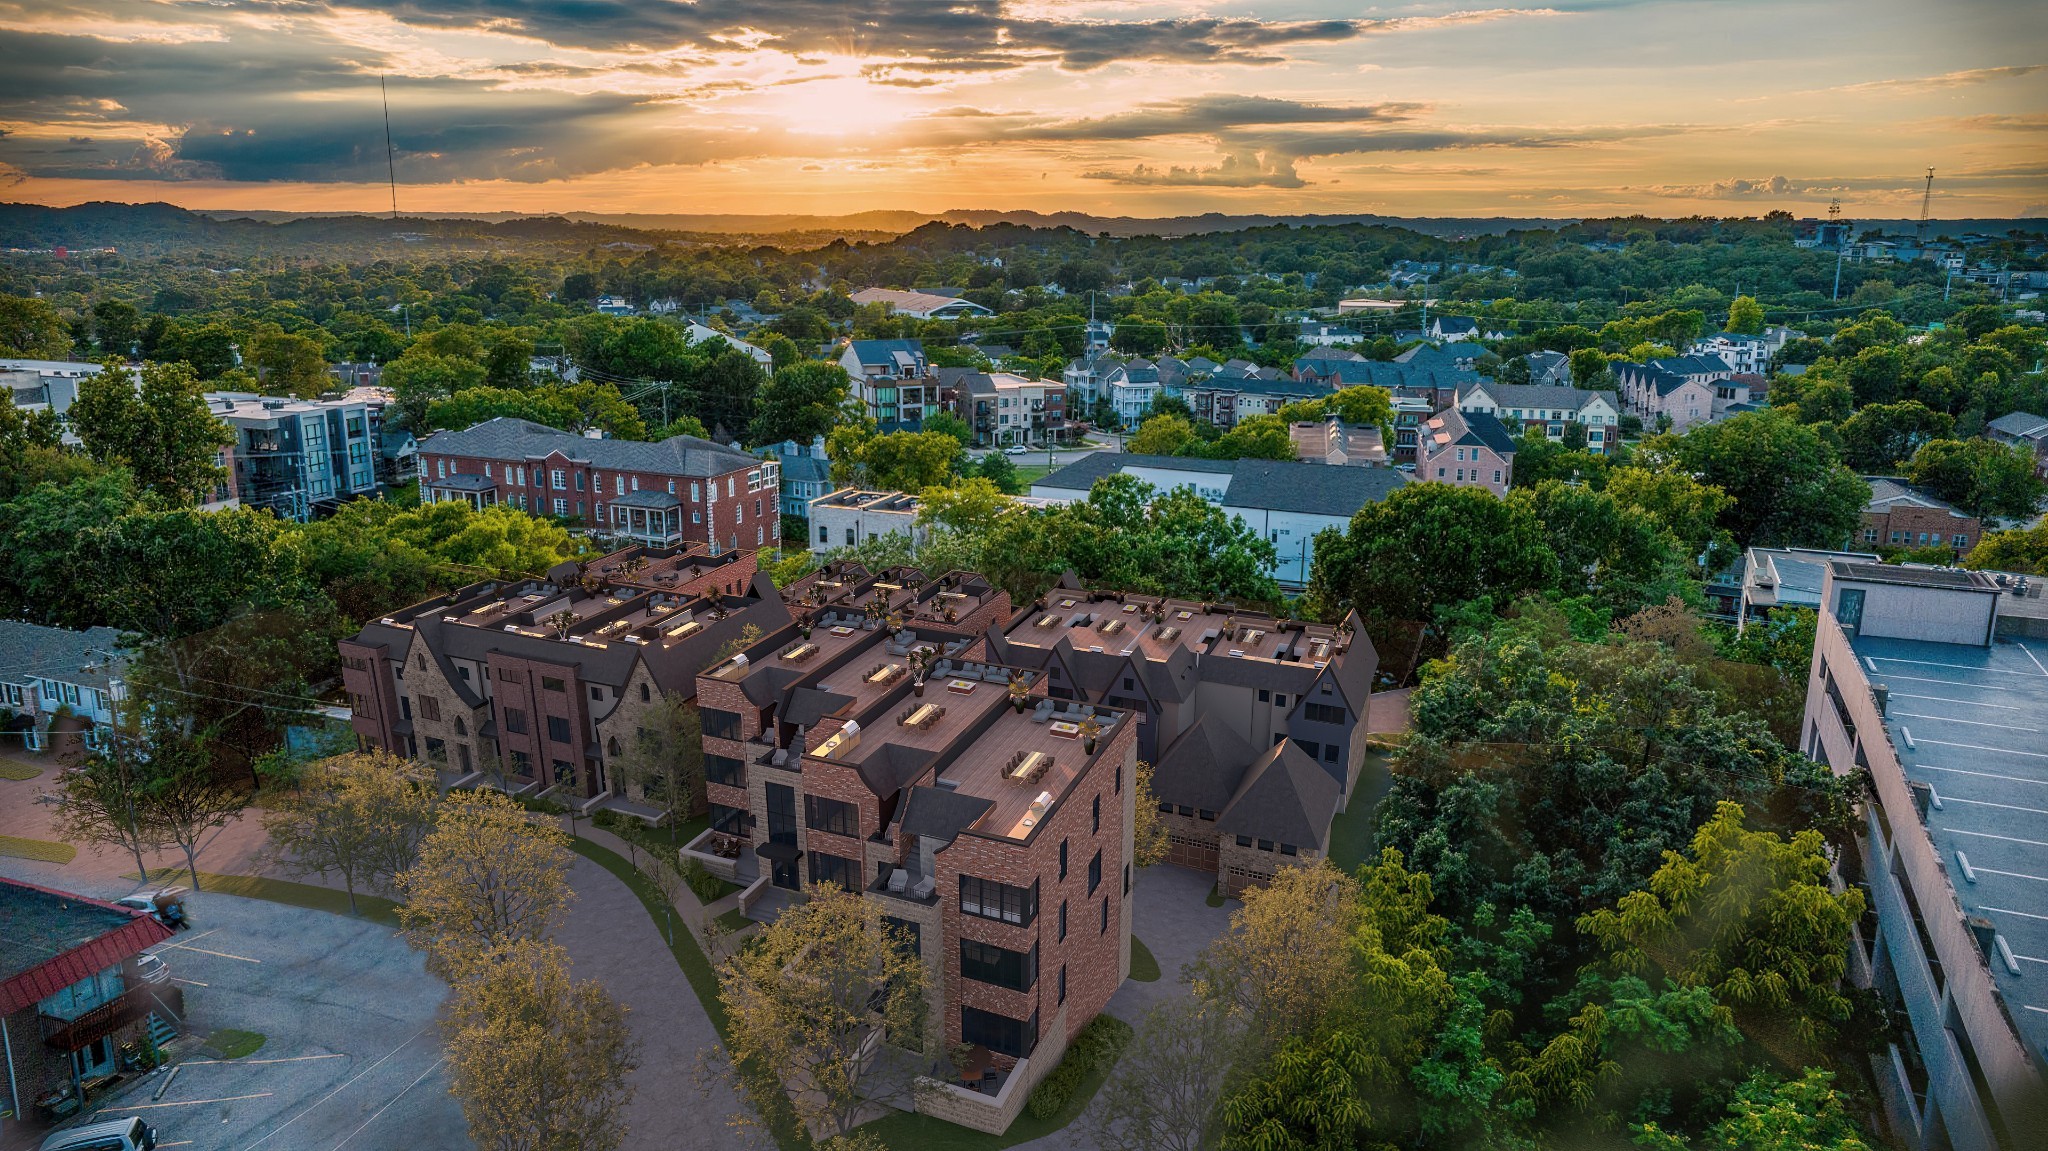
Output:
x=1926 y=201
x=1834 y=214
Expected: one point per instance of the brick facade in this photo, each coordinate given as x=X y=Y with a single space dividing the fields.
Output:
x=1905 y=526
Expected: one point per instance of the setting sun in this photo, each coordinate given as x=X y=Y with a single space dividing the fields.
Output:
x=835 y=106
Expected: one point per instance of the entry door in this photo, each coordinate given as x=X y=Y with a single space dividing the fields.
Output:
x=783 y=873
x=95 y=1058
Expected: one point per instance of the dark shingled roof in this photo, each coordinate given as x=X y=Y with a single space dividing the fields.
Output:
x=1286 y=798
x=941 y=813
x=808 y=705
x=889 y=768
x=506 y=438
x=1202 y=769
x=647 y=499
x=1271 y=485
x=29 y=650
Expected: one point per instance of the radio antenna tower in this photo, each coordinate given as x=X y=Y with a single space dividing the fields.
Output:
x=391 y=158
x=1834 y=218
x=1926 y=201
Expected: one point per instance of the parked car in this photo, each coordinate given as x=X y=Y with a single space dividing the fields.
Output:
x=166 y=905
x=1015 y=450
x=130 y=1134
x=152 y=968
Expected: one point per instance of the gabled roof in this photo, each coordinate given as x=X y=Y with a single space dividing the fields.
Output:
x=2020 y=425
x=54 y=939
x=1539 y=395
x=808 y=705
x=1285 y=798
x=1271 y=485
x=1701 y=365
x=1203 y=768
x=891 y=767
x=32 y=651
x=1888 y=492
x=506 y=438
x=1455 y=324
x=1475 y=429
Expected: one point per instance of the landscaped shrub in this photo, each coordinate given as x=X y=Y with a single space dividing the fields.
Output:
x=1094 y=1049
x=707 y=887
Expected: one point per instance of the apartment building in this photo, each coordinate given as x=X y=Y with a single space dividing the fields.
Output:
x=893 y=381
x=298 y=457
x=1332 y=441
x=873 y=744
x=1549 y=407
x=1900 y=515
x=806 y=473
x=1913 y=686
x=543 y=680
x=1004 y=408
x=62 y=689
x=850 y=517
x=1256 y=725
x=1466 y=449
x=680 y=491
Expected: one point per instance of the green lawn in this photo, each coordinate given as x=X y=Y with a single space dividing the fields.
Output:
x=374 y=908
x=228 y=1043
x=733 y=920
x=18 y=771
x=49 y=851
x=1144 y=968
x=1351 y=832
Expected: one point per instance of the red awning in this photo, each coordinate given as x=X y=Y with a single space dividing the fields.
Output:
x=45 y=979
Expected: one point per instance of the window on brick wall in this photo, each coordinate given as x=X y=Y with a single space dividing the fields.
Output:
x=515 y=721
x=720 y=724
x=984 y=963
x=999 y=1033
x=988 y=899
x=550 y=683
x=835 y=869
x=1095 y=873
x=558 y=729
x=1063 y=919
x=723 y=769
x=1098 y=813
x=831 y=815
x=1105 y=916
x=1063 y=983
x=1063 y=859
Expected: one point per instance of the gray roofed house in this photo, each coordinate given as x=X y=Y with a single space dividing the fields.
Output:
x=43 y=669
x=1284 y=799
x=506 y=438
x=2025 y=430
x=941 y=814
x=1550 y=407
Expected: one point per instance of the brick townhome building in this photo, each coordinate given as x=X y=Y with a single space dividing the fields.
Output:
x=1257 y=725
x=987 y=819
x=1900 y=515
x=486 y=679
x=1466 y=449
x=681 y=490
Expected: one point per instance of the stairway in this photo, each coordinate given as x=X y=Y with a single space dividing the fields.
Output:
x=160 y=1030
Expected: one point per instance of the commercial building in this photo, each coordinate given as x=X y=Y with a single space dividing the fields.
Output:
x=920 y=305
x=542 y=681
x=850 y=517
x=72 y=993
x=60 y=688
x=1285 y=502
x=873 y=744
x=1256 y=725
x=1332 y=441
x=1769 y=578
x=679 y=491
x=1915 y=687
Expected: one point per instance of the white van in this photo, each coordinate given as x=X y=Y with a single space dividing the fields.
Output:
x=130 y=1134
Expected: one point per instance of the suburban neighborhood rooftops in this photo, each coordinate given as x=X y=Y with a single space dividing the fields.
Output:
x=506 y=438
x=1271 y=485
x=31 y=651
x=1887 y=492
x=1523 y=397
x=2020 y=425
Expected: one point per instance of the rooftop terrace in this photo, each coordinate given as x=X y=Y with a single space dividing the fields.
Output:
x=1155 y=627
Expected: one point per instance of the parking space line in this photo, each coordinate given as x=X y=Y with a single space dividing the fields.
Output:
x=220 y=954
x=188 y=1102
x=1981 y=747
x=431 y=1068
x=1953 y=666
x=193 y=982
x=2030 y=655
x=346 y=1084
x=1964 y=702
x=1982 y=774
x=2013 y=874
x=1955 y=719
x=2028 y=958
x=2010 y=911
x=2030 y=1007
x=2006 y=838
x=1988 y=803
x=261 y=1062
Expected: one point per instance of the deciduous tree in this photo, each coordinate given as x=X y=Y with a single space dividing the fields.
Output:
x=1982 y=478
x=1163 y=1096
x=664 y=761
x=800 y=401
x=160 y=429
x=488 y=874
x=361 y=816
x=32 y=329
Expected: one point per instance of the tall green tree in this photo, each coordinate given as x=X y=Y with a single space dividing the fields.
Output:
x=31 y=329
x=159 y=428
x=800 y=401
x=1789 y=488
x=1746 y=316
x=1982 y=478
x=290 y=363
x=1880 y=437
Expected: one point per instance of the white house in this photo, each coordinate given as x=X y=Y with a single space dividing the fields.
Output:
x=1550 y=407
x=1286 y=502
x=700 y=332
x=59 y=684
x=920 y=305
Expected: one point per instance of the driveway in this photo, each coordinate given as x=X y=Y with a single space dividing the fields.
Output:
x=611 y=939
x=351 y=1057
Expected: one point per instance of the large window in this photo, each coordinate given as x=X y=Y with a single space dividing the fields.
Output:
x=730 y=820
x=515 y=721
x=991 y=900
x=835 y=816
x=1322 y=713
x=781 y=814
x=722 y=769
x=558 y=729
x=834 y=869
x=720 y=724
x=999 y=1033
x=1016 y=970
x=1095 y=873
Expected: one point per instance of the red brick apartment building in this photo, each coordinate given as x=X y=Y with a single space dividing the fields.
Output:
x=872 y=743
x=1256 y=725
x=495 y=677
x=681 y=490
x=1900 y=515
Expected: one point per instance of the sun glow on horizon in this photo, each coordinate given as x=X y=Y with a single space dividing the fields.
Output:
x=835 y=106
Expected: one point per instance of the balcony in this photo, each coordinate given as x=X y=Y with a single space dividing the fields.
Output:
x=99 y=1022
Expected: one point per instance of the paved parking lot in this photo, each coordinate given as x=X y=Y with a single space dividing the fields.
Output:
x=1972 y=723
x=352 y=1059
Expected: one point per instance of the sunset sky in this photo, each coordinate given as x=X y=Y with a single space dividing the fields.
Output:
x=1125 y=107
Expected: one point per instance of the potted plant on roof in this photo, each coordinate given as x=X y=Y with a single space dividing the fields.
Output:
x=920 y=660
x=1089 y=730
x=1018 y=691
x=562 y=621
